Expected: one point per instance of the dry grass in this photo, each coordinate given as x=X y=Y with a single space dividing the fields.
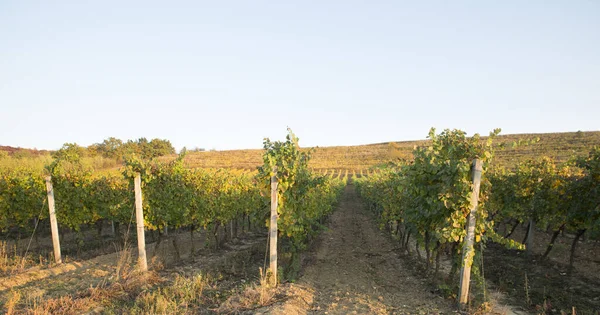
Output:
x=61 y=305
x=252 y=296
x=15 y=297
x=119 y=288
x=148 y=293
x=7 y=260
x=183 y=296
x=37 y=163
x=125 y=284
x=11 y=262
x=560 y=146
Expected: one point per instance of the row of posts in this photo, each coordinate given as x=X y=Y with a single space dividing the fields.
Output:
x=468 y=249
x=139 y=216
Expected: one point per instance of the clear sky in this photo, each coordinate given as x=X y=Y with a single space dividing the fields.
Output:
x=226 y=74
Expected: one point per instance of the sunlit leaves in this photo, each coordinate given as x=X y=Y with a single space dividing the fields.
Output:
x=303 y=196
x=432 y=194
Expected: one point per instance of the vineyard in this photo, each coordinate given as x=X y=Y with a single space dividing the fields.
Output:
x=428 y=199
x=559 y=146
x=452 y=206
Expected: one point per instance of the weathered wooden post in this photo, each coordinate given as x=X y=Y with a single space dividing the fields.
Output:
x=53 y=223
x=139 y=218
x=273 y=229
x=468 y=249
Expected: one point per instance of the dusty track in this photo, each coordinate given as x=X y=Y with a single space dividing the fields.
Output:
x=356 y=271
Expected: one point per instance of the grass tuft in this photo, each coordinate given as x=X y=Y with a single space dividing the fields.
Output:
x=252 y=296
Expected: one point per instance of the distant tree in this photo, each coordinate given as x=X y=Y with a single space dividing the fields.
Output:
x=69 y=152
x=131 y=147
x=147 y=149
x=144 y=148
x=117 y=149
x=111 y=147
x=160 y=147
x=142 y=142
x=94 y=150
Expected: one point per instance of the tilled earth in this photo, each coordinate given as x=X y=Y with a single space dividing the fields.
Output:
x=356 y=270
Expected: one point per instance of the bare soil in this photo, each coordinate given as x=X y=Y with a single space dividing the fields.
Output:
x=355 y=269
x=547 y=285
x=235 y=263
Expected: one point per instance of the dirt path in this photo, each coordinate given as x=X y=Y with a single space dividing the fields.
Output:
x=357 y=271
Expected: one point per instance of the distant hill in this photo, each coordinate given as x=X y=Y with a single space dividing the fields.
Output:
x=560 y=146
x=26 y=152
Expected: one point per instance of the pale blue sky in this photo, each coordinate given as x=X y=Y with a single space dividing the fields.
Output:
x=225 y=74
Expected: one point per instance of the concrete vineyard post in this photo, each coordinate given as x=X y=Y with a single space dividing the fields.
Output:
x=273 y=229
x=53 y=223
x=468 y=249
x=139 y=218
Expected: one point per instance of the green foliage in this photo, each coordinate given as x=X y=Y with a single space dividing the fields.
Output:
x=114 y=148
x=552 y=196
x=22 y=155
x=110 y=198
x=431 y=196
x=147 y=149
x=439 y=185
x=70 y=152
x=176 y=196
x=303 y=196
x=71 y=181
x=584 y=194
x=22 y=195
x=533 y=191
x=109 y=148
x=167 y=195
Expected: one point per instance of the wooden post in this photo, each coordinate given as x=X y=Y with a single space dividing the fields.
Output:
x=139 y=218
x=273 y=229
x=53 y=223
x=468 y=249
